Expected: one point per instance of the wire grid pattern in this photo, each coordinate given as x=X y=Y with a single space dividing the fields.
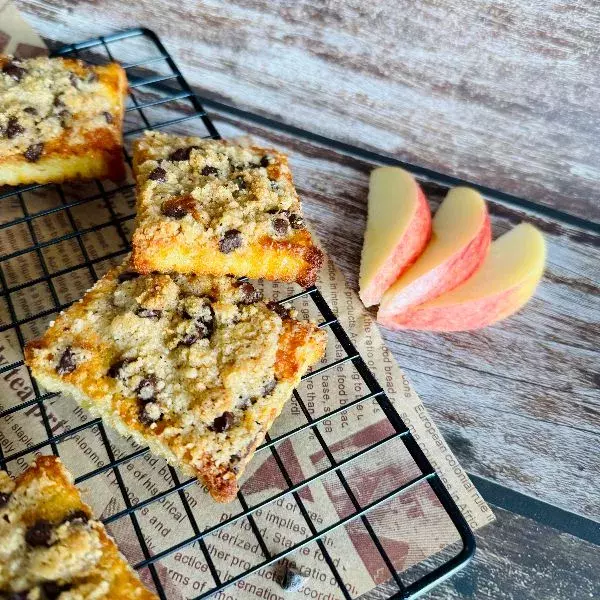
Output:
x=141 y=75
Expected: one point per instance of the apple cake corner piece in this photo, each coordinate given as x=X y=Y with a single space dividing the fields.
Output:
x=52 y=545
x=60 y=119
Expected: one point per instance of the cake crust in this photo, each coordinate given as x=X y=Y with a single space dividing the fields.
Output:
x=60 y=119
x=52 y=547
x=209 y=206
x=195 y=367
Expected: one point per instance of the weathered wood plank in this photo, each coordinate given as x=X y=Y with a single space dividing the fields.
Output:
x=519 y=559
x=519 y=401
x=505 y=94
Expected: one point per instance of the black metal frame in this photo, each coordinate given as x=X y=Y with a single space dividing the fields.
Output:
x=376 y=393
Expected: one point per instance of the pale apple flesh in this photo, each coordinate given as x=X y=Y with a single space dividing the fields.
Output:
x=507 y=279
x=460 y=241
x=398 y=229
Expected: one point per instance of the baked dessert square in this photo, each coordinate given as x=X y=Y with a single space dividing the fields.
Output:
x=60 y=119
x=196 y=367
x=212 y=207
x=51 y=545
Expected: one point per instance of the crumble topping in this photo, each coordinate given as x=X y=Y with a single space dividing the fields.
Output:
x=192 y=357
x=40 y=558
x=44 y=99
x=215 y=192
x=51 y=547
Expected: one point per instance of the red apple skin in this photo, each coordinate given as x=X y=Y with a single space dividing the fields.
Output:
x=446 y=276
x=460 y=317
x=409 y=248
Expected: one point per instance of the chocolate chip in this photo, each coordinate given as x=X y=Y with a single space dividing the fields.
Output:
x=290 y=579
x=208 y=170
x=92 y=77
x=264 y=161
x=33 y=153
x=65 y=117
x=269 y=387
x=14 y=71
x=296 y=221
x=30 y=110
x=76 y=516
x=278 y=309
x=148 y=313
x=66 y=364
x=239 y=181
x=146 y=390
x=275 y=186
x=53 y=590
x=223 y=423
x=190 y=338
x=249 y=294
x=177 y=208
x=39 y=534
x=18 y=595
x=150 y=413
x=158 y=174
x=58 y=102
x=127 y=276
x=182 y=153
x=74 y=80
x=206 y=325
x=115 y=369
x=4 y=498
x=109 y=118
x=230 y=241
x=204 y=328
x=13 y=128
x=281 y=225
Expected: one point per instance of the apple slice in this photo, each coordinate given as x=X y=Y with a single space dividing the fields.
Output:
x=459 y=244
x=504 y=283
x=398 y=228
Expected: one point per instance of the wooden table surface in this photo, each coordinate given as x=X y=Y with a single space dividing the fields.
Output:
x=504 y=94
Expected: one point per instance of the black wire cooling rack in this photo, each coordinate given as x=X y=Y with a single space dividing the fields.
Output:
x=155 y=70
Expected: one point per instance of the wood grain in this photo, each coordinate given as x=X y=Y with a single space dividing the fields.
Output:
x=519 y=401
x=506 y=94
x=519 y=559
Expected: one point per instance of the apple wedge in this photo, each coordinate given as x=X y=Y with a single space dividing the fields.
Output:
x=398 y=228
x=460 y=241
x=504 y=283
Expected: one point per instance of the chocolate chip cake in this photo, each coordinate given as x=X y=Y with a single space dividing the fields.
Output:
x=212 y=207
x=196 y=367
x=60 y=120
x=51 y=547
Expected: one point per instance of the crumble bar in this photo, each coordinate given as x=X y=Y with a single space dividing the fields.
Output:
x=51 y=546
x=212 y=207
x=60 y=119
x=195 y=367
